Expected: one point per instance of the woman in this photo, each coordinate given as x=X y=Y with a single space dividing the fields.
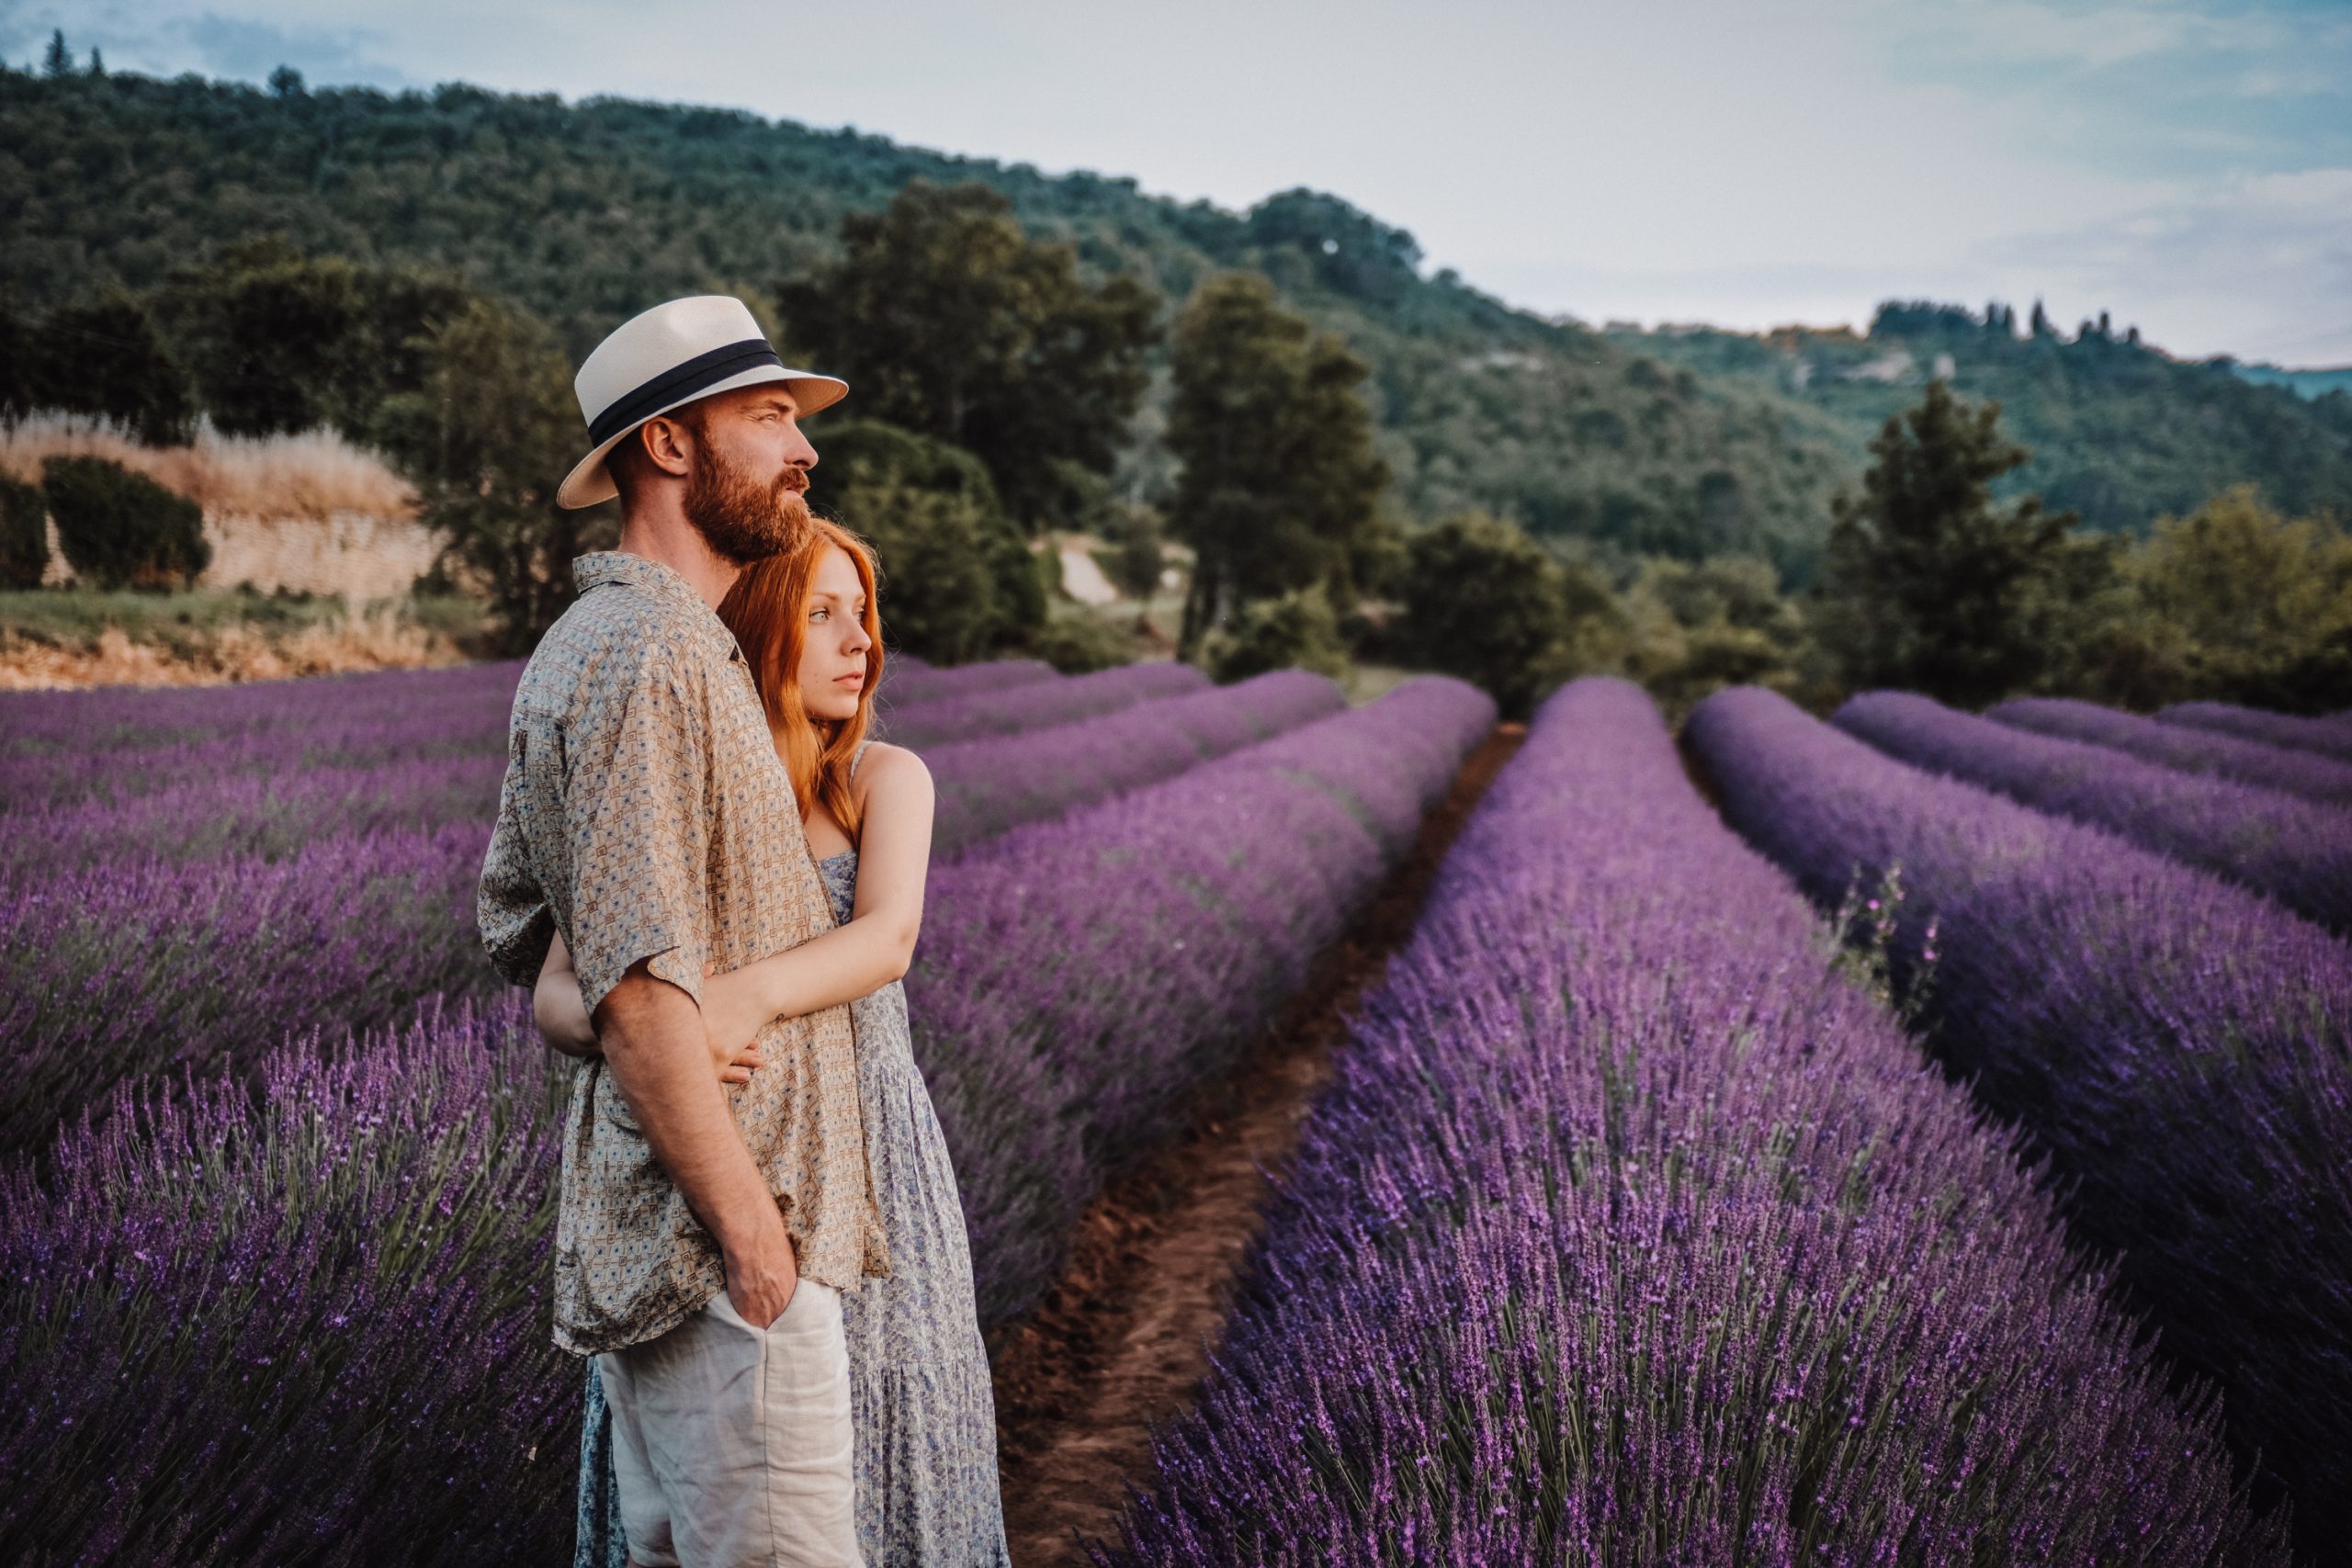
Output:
x=919 y=1397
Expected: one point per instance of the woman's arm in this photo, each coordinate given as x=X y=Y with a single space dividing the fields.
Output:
x=556 y=1006
x=878 y=943
x=558 y=1010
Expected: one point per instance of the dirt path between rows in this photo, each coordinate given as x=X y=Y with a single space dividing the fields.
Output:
x=1123 y=1336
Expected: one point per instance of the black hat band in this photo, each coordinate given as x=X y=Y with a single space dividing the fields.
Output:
x=679 y=383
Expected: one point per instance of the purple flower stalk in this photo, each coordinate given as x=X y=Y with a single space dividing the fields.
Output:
x=2183 y=747
x=2180 y=1046
x=2296 y=849
x=1632 y=1229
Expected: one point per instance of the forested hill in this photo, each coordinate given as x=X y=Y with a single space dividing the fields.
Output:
x=584 y=213
x=2120 y=430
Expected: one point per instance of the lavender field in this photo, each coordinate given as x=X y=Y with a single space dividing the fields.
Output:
x=1928 y=1152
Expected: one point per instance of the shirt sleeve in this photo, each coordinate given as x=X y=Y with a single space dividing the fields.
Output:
x=512 y=905
x=635 y=829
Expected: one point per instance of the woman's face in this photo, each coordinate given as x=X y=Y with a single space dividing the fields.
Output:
x=833 y=643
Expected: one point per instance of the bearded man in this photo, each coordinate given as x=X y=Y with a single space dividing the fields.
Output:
x=707 y=1229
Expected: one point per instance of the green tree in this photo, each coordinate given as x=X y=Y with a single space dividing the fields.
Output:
x=1133 y=559
x=1280 y=479
x=281 y=342
x=958 y=578
x=121 y=529
x=952 y=323
x=1485 y=602
x=104 y=359
x=23 y=533
x=2235 y=603
x=1926 y=585
x=1296 y=630
x=488 y=436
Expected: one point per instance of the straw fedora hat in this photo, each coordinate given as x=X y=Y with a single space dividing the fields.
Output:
x=665 y=359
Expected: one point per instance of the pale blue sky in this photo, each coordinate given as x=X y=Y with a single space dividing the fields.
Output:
x=2186 y=164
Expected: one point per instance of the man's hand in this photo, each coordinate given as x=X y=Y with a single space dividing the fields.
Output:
x=656 y=1048
x=760 y=1280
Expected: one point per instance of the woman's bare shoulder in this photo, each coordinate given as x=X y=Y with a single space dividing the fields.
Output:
x=888 y=767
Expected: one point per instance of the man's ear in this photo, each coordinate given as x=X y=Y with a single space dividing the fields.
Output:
x=667 y=445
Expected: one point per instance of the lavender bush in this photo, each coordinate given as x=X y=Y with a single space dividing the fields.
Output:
x=140 y=966
x=1077 y=978
x=1632 y=1230
x=2180 y=1046
x=198 y=923
x=311 y=1327
x=2329 y=737
x=62 y=748
x=263 y=814
x=2296 y=849
x=2190 y=749
x=906 y=681
x=991 y=784
x=1036 y=704
x=298 y=1313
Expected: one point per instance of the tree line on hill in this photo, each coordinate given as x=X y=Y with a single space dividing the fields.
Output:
x=1004 y=385
x=1687 y=446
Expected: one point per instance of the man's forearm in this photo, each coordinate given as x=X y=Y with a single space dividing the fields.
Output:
x=654 y=1044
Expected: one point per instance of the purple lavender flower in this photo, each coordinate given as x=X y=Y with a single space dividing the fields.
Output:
x=2296 y=849
x=1632 y=1229
x=2180 y=1046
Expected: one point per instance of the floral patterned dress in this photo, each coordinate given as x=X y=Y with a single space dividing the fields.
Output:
x=920 y=1401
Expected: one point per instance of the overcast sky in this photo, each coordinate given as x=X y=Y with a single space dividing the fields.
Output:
x=2186 y=164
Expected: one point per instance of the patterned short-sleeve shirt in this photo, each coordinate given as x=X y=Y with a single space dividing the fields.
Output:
x=646 y=815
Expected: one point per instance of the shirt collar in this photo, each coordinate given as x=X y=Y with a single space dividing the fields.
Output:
x=600 y=567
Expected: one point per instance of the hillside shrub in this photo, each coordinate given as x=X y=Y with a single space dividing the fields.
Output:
x=119 y=529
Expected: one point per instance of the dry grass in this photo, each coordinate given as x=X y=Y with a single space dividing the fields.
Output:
x=379 y=639
x=315 y=475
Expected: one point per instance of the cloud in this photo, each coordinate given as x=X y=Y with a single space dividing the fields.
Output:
x=2261 y=263
x=250 y=50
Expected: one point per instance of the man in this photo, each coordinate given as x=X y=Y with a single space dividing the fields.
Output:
x=706 y=1229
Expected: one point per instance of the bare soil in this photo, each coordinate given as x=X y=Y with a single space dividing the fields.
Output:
x=1122 y=1340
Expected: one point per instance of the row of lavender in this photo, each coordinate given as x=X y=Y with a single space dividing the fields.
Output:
x=190 y=902
x=2329 y=735
x=2210 y=752
x=2178 y=1045
x=309 y=1323
x=1633 y=1229
x=2296 y=849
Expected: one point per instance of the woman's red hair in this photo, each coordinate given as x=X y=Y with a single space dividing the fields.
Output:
x=768 y=611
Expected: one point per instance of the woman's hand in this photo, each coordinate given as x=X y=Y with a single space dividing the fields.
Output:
x=732 y=1020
